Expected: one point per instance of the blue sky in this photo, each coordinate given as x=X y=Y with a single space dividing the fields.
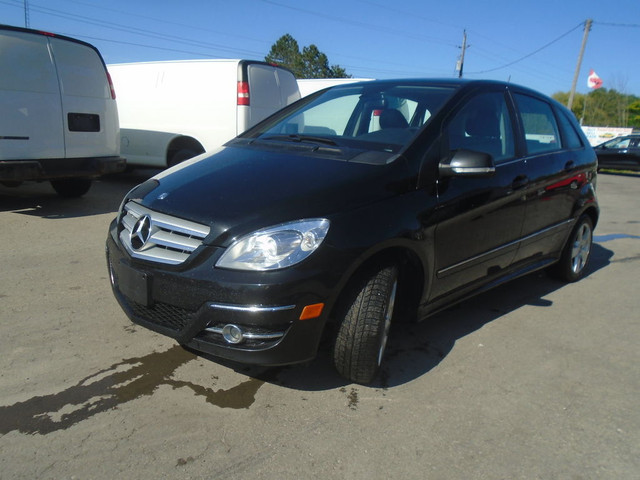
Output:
x=533 y=43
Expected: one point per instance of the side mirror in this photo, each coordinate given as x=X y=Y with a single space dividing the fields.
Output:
x=467 y=163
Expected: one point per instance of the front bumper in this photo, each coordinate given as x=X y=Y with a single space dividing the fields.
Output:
x=193 y=304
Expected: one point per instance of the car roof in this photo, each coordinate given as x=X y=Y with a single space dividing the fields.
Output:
x=457 y=83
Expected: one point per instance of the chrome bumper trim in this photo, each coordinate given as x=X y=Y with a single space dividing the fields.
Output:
x=251 y=308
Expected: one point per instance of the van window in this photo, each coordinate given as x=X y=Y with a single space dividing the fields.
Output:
x=540 y=127
x=80 y=69
x=26 y=65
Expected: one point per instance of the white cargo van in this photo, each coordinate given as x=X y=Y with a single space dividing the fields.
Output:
x=171 y=111
x=59 y=119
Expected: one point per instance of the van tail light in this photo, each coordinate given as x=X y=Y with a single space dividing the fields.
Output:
x=113 y=90
x=243 y=93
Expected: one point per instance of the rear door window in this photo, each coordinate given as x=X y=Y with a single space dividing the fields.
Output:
x=539 y=123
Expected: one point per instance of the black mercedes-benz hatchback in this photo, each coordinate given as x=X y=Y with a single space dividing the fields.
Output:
x=356 y=206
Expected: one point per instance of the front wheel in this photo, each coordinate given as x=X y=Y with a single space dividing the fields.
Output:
x=364 y=329
x=576 y=253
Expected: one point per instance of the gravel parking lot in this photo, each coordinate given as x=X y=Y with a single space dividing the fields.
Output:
x=534 y=380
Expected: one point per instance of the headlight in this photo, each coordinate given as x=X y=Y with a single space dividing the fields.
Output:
x=276 y=247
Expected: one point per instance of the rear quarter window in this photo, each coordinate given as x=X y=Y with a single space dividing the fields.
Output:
x=570 y=138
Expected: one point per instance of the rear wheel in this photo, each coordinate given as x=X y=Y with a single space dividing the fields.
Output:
x=71 y=187
x=364 y=330
x=576 y=253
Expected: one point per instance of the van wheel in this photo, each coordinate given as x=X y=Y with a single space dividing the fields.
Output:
x=71 y=187
x=364 y=329
x=180 y=156
x=576 y=253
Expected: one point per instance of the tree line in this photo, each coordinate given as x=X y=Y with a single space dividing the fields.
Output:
x=604 y=108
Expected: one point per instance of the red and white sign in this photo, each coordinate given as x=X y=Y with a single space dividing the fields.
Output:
x=594 y=81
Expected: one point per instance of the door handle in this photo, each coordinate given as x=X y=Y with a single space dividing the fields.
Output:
x=569 y=165
x=519 y=182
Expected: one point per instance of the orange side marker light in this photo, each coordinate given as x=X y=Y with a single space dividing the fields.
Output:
x=311 y=311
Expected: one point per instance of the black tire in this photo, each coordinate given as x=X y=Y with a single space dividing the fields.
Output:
x=577 y=252
x=71 y=187
x=180 y=156
x=364 y=329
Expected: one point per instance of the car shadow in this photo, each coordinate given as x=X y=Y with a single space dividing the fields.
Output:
x=414 y=349
x=40 y=200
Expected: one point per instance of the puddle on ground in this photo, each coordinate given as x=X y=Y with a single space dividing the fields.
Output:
x=613 y=236
x=122 y=382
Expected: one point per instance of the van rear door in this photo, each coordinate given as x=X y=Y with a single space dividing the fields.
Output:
x=89 y=112
x=30 y=124
x=270 y=89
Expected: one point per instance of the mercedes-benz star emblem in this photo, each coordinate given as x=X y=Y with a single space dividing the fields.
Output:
x=141 y=232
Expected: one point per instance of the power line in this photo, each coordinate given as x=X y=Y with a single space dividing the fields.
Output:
x=134 y=30
x=532 y=53
x=624 y=25
x=368 y=26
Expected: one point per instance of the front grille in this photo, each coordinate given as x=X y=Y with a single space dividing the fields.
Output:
x=164 y=315
x=157 y=237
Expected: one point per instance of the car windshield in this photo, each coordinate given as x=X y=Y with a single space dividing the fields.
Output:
x=371 y=116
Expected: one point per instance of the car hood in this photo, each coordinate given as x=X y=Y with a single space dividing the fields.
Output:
x=241 y=189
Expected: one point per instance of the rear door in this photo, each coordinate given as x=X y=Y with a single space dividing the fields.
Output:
x=31 y=119
x=89 y=113
x=264 y=92
x=554 y=175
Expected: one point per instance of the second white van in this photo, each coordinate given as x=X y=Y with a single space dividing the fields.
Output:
x=171 y=111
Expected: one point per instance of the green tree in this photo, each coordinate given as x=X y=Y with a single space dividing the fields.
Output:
x=310 y=63
x=604 y=108
x=634 y=114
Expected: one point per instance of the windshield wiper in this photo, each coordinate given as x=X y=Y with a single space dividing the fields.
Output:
x=301 y=139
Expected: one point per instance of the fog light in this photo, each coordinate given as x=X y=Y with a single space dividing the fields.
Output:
x=232 y=333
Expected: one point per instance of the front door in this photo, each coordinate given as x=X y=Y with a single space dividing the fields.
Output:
x=479 y=218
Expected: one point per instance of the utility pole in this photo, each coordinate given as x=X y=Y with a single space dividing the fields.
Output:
x=26 y=13
x=587 y=28
x=460 y=64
